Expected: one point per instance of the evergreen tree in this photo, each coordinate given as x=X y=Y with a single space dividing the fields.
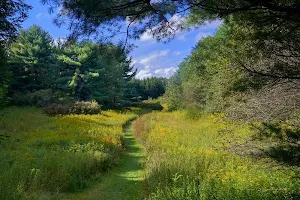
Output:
x=4 y=76
x=12 y=14
x=75 y=69
x=149 y=88
x=113 y=76
x=32 y=60
x=95 y=71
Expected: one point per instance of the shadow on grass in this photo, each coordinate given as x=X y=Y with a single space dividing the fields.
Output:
x=287 y=153
x=276 y=130
x=287 y=149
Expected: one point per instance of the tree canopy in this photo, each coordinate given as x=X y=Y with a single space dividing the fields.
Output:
x=12 y=14
x=270 y=28
x=44 y=72
x=211 y=79
x=90 y=16
x=32 y=60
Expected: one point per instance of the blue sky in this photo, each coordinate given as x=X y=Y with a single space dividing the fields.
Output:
x=149 y=57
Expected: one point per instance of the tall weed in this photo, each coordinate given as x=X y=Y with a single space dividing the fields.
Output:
x=43 y=155
x=190 y=159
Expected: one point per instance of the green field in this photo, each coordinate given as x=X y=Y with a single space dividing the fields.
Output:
x=211 y=158
x=42 y=156
x=176 y=157
x=152 y=100
x=124 y=181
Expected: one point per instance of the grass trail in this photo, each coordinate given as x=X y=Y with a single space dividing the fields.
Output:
x=125 y=180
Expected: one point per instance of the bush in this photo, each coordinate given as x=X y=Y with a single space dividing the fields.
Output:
x=56 y=109
x=150 y=105
x=85 y=107
x=38 y=98
x=79 y=107
x=194 y=112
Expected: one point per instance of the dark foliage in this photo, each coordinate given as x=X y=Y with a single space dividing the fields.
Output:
x=4 y=76
x=37 y=98
x=56 y=109
x=288 y=153
x=12 y=14
x=148 y=88
x=149 y=105
x=44 y=73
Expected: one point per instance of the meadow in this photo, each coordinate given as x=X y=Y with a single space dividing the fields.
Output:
x=42 y=156
x=210 y=157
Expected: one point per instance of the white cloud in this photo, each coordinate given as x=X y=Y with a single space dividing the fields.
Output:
x=59 y=41
x=153 y=56
x=201 y=35
x=146 y=60
x=213 y=25
x=133 y=62
x=147 y=36
x=150 y=65
x=177 y=53
x=147 y=67
x=182 y=37
x=142 y=74
x=164 y=52
x=43 y=15
x=39 y=15
x=175 y=22
x=158 y=63
x=207 y=29
x=166 y=72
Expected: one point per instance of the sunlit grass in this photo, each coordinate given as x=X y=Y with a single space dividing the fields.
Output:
x=123 y=182
x=188 y=159
x=45 y=155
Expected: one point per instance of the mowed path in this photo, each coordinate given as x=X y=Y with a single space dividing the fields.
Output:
x=125 y=180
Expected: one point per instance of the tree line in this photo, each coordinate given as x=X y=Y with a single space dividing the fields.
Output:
x=249 y=69
x=40 y=71
x=79 y=70
x=230 y=72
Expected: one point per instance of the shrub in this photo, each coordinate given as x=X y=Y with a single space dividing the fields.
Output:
x=56 y=109
x=79 y=107
x=38 y=98
x=193 y=112
x=85 y=107
x=150 y=105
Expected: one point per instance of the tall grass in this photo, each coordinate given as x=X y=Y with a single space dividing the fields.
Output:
x=189 y=159
x=42 y=155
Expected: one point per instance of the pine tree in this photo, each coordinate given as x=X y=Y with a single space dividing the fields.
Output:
x=32 y=61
